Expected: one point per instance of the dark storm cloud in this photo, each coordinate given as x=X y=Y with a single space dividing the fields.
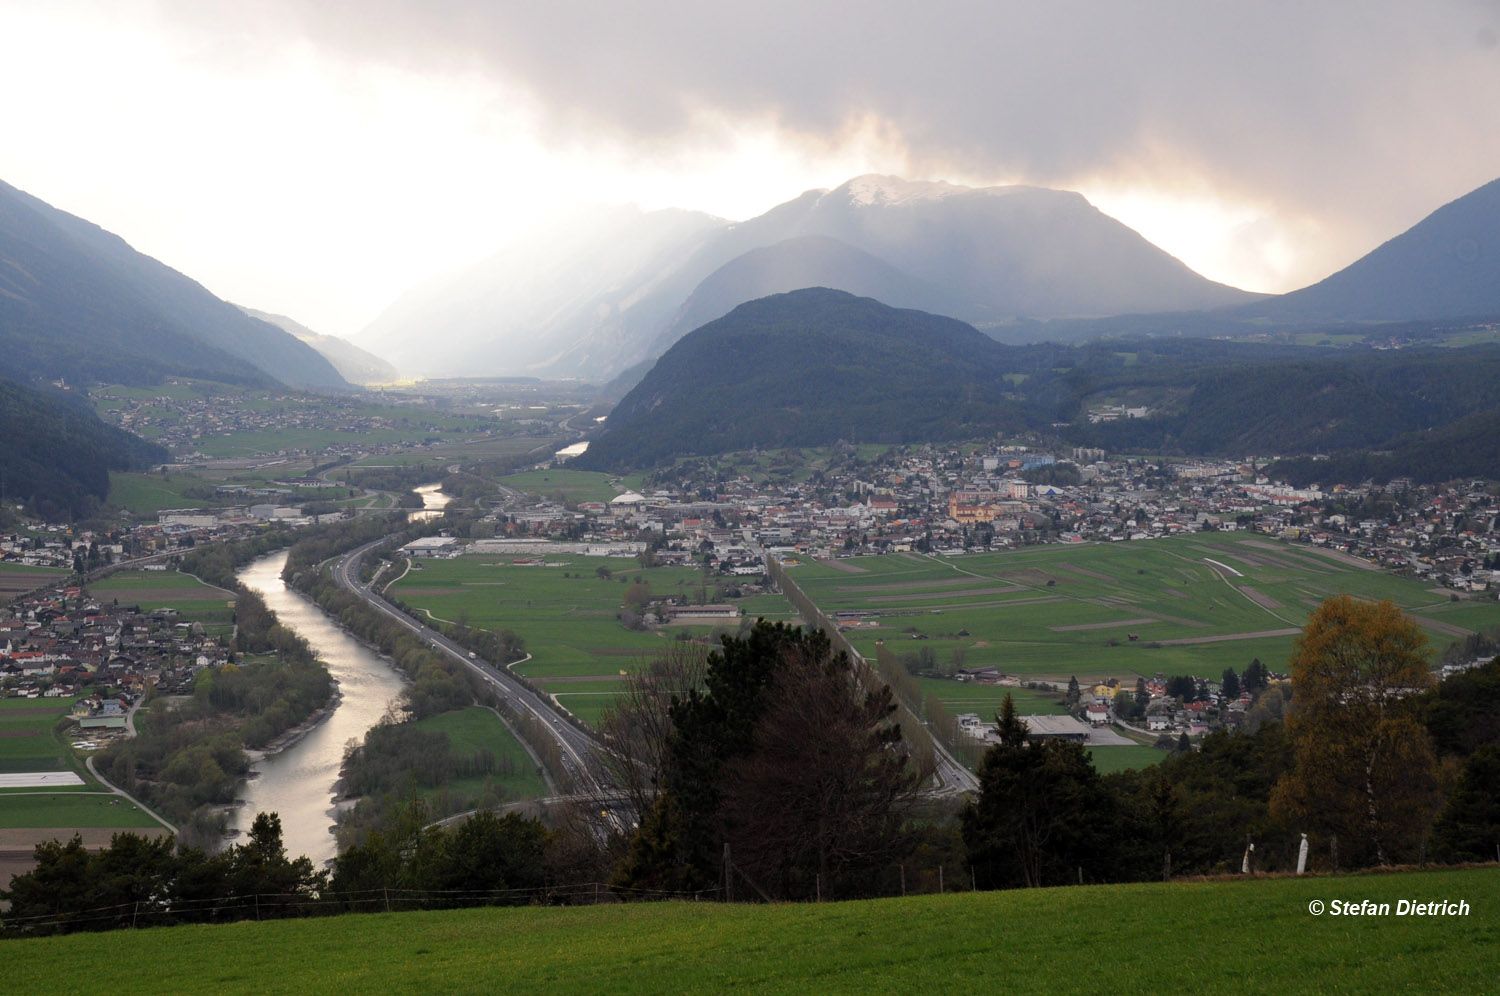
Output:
x=1362 y=114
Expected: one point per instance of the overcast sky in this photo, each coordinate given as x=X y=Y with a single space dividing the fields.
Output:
x=316 y=157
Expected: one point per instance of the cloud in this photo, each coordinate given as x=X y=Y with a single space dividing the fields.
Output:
x=1297 y=135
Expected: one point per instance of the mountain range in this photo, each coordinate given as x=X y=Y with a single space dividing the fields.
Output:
x=596 y=294
x=352 y=363
x=815 y=366
x=78 y=303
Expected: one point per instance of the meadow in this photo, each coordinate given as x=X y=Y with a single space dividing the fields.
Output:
x=571 y=485
x=1180 y=605
x=193 y=599
x=566 y=613
x=28 y=741
x=476 y=728
x=1241 y=936
x=60 y=813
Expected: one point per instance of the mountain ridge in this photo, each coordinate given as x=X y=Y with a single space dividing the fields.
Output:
x=988 y=254
x=78 y=301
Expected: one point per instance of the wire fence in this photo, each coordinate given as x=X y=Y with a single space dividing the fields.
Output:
x=159 y=911
x=161 y=908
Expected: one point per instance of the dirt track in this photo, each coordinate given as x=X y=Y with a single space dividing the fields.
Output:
x=845 y=566
x=1228 y=637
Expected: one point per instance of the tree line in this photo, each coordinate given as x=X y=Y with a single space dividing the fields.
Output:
x=773 y=768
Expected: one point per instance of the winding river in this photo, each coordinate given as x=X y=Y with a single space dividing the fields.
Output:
x=298 y=782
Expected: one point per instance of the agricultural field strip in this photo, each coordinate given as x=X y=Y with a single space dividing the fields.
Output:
x=39 y=779
x=1102 y=625
x=924 y=596
x=1187 y=641
x=901 y=586
x=1446 y=629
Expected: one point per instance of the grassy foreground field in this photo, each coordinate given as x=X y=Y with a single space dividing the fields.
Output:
x=1253 y=936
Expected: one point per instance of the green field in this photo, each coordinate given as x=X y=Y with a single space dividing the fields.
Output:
x=1056 y=611
x=482 y=447
x=27 y=738
x=65 y=810
x=476 y=728
x=196 y=601
x=28 y=743
x=570 y=623
x=1233 y=937
x=962 y=697
x=571 y=485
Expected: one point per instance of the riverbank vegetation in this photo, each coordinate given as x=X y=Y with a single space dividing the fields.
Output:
x=453 y=762
x=188 y=757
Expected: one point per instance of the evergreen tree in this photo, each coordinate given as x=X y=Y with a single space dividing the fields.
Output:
x=1469 y=827
x=787 y=756
x=1041 y=814
x=1230 y=685
x=1256 y=677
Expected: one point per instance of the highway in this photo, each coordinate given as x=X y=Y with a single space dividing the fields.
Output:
x=576 y=748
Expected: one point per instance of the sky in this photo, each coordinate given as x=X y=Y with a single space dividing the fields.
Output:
x=316 y=158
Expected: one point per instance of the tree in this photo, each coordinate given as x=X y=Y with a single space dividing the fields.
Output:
x=1230 y=685
x=638 y=723
x=1074 y=693
x=1363 y=765
x=1255 y=678
x=1182 y=686
x=824 y=800
x=1469 y=827
x=787 y=754
x=260 y=867
x=1041 y=814
x=1142 y=696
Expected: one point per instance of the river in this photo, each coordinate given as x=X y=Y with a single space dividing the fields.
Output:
x=298 y=782
x=433 y=503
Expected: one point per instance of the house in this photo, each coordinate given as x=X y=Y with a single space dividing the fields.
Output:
x=1097 y=714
